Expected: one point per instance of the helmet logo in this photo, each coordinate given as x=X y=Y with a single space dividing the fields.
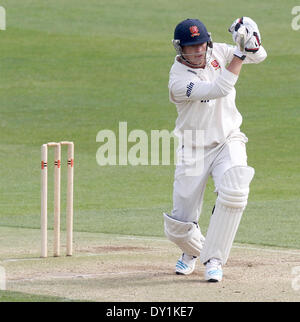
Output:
x=194 y=31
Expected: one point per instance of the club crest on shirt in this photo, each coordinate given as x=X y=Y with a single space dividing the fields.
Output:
x=215 y=64
x=194 y=31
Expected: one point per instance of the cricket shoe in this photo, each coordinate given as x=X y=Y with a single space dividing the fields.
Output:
x=213 y=271
x=185 y=264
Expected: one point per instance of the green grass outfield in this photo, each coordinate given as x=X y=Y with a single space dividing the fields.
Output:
x=70 y=69
x=9 y=296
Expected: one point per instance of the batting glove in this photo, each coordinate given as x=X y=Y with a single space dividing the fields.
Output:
x=245 y=34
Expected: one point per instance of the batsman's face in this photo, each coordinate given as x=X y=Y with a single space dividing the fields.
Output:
x=195 y=54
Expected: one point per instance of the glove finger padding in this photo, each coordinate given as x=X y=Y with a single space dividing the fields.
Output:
x=251 y=38
x=253 y=44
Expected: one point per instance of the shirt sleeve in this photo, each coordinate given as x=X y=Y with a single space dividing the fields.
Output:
x=251 y=58
x=256 y=58
x=194 y=89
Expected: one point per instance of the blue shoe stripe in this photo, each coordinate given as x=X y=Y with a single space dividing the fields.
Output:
x=181 y=265
x=215 y=272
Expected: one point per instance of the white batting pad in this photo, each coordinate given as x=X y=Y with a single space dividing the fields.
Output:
x=186 y=235
x=230 y=204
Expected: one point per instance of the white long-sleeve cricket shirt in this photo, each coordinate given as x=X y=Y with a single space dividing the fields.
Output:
x=205 y=98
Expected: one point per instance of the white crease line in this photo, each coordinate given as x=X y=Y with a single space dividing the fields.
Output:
x=7 y=260
x=271 y=250
x=75 y=276
x=143 y=238
x=82 y=254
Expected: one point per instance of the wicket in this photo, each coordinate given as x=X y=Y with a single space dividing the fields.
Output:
x=44 y=198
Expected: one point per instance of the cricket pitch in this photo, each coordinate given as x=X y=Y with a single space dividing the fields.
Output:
x=117 y=268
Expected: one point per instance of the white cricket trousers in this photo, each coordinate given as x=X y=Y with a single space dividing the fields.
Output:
x=188 y=191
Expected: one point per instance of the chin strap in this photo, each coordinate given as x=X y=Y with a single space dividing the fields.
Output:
x=189 y=63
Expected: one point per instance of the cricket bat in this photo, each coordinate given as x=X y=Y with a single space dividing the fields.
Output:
x=242 y=32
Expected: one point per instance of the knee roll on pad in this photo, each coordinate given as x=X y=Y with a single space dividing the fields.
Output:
x=234 y=188
x=186 y=235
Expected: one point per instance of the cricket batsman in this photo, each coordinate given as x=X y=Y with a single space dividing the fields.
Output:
x=201 y=85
